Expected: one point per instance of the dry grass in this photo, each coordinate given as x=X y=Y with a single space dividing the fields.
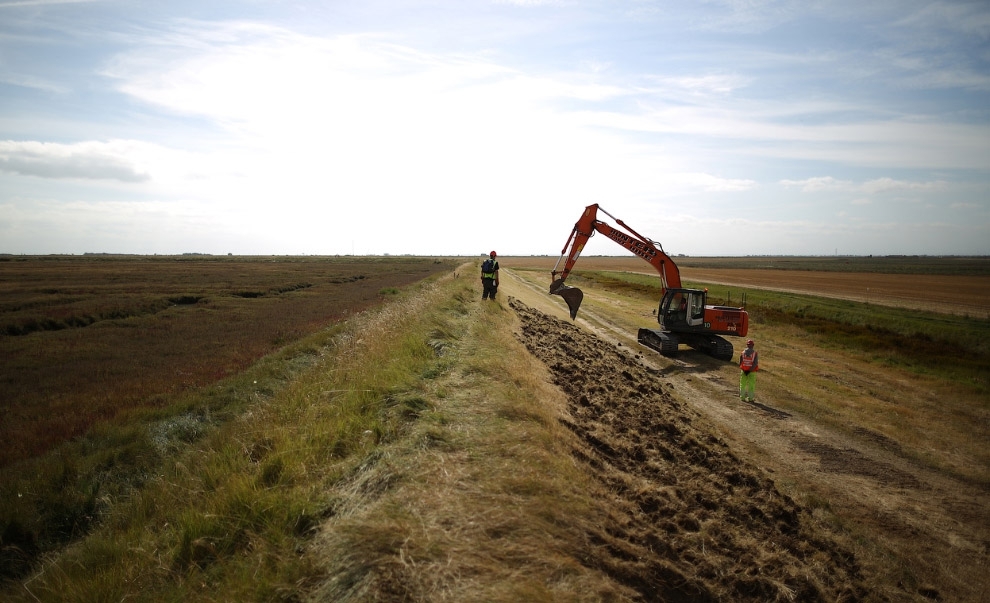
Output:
x=423 y=447
x=423 y=455
x=472 y=508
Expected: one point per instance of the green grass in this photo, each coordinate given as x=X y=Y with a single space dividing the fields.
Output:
x=53 y=499
x=906 y=380
x=923 y=342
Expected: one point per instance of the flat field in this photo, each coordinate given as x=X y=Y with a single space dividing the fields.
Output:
x=83 y=339
x=947 y=285
x=452 y=449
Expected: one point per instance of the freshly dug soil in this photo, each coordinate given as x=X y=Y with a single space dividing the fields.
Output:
x=688 y=520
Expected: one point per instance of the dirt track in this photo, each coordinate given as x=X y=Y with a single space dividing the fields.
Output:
x=695 y=503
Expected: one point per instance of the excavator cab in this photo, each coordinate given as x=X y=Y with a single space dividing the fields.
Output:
x=681 y=309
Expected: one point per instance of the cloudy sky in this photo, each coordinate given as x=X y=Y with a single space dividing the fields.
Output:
x=716 y=127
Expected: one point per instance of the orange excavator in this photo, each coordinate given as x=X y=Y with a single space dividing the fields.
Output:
x=683 y=315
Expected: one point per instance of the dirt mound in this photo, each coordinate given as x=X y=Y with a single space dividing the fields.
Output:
x=689 y=520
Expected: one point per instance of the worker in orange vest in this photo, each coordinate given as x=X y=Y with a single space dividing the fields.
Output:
x=749 y=363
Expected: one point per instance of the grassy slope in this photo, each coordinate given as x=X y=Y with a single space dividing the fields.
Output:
x=358 y=444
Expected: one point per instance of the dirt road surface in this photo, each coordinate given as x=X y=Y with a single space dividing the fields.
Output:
x=902 y=531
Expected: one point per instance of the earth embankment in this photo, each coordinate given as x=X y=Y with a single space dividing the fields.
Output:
x=690 y=520
x=918 y=527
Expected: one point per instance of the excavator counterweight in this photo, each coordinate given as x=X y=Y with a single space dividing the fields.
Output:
x=683 y=315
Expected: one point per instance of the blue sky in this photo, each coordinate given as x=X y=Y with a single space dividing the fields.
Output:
x=721 y=127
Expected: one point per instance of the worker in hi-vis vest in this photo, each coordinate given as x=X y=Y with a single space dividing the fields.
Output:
x=489 y=277
x=749 y=363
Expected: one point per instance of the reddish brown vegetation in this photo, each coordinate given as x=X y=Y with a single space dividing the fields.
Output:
x=84 y=339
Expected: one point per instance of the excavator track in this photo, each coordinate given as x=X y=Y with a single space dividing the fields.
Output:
x=665 y=343
x=713 y=345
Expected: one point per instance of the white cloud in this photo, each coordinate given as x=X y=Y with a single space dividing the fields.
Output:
x=681 y=233
x=56 y=226
x=817 y=184
x=886 y=185
x=267 y=81
x=710 y=183
x=343 y=104
x=748 y=16
x=527 y=3
x=113 y=160
x=967 y=18
x=876 y=186
x=32 y=81
x=702 y=85
x=355 y=120
x=20 y=3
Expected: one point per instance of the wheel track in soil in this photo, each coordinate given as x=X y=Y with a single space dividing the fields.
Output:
x=868 y=481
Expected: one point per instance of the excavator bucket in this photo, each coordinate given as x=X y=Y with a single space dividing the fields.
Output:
x=572 y=295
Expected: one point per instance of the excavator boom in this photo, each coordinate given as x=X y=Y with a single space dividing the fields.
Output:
x=583 y=230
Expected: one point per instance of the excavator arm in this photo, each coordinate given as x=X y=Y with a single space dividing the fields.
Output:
x=583 y=230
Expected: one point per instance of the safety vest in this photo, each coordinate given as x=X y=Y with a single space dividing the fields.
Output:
x=492 y=273
x=747 y=362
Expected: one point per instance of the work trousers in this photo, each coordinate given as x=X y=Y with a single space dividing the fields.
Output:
x=489 y=288
x=747 y=386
